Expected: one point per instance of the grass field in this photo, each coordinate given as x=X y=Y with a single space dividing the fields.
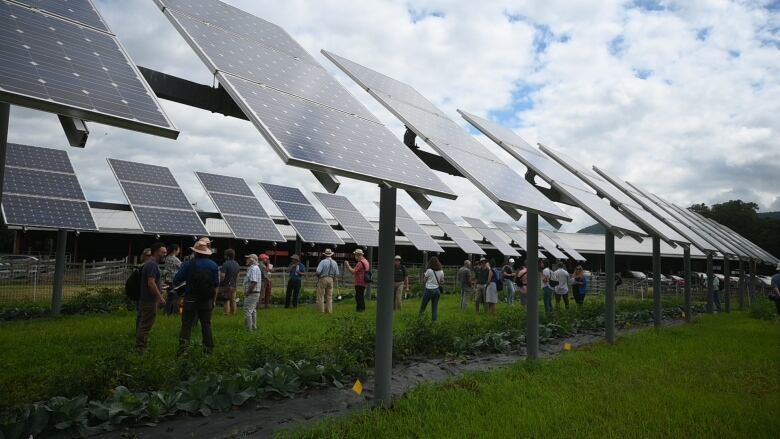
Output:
x=717 y=377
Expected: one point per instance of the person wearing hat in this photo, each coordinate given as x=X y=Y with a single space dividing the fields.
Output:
x=400 y=282
x=252 y=286
x=481 y=278
x=774 y=293
x=200 y=293
x=508 y=277
x=296 y=270
x=267 y=287
x=228 y=281
x=362 y=266
x=327 y=271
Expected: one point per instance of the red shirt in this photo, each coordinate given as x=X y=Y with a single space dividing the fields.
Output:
x=361 y=267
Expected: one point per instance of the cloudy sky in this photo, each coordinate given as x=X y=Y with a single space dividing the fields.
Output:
x=682 y=97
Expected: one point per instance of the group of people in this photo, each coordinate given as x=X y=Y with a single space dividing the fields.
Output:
x=194 y=288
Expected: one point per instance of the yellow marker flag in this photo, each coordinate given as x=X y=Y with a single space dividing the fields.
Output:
x=358 y=387
x=567 y=346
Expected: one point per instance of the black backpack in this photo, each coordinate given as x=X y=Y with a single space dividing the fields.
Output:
x=133 y=285
x=201 y=284
x=722 y=284
x=368 y=275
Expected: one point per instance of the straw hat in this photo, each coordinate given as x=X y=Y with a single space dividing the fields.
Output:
x=201 y=247
x=251 y=256
x=358 y=252
x=328 y=252
x=295 y=257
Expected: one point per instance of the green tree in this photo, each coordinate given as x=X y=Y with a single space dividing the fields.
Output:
x=701 y=209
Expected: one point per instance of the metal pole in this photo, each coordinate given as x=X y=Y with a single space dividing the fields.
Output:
x=710 y=281
x=59 y=272
x=383 y=366
x=741 y=284
x=727 y=285
x=370 y=255
x=657 y=282
x=609 y=291
x=687 y=287
x=5 y=114
x=752 y=285
x=532 y=264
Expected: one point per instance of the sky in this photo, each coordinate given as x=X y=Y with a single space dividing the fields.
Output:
x=681 y=98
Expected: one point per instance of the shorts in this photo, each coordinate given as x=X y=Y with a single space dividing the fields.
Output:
x=491 y=293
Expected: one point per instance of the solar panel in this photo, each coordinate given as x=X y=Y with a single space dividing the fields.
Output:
x=240 y=209
x=454 y=232
x=61 y=66
x=502 y=246
x=550 y=246
x=413 y=232
x=353 y=222
x=757 y=252
x=486 y=171
x=43 y=193
x=518 y=236
x=303 y=217
x=748 y=250
x=571 y=251
x=156 y=199
x=737 y=249
x=305 y=115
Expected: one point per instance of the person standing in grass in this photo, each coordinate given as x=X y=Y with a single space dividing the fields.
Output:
x=150 y=298
x=327 y=271
x=561 y=277
x=716 y=286
x=521 y=284
x=481 y=277
x=774 y=293
x=547 y=289
x=228 y=281
x=172 y=265
x=400 y=282
x=362 y=266
x=466 y=282
x=267 y=288
x=580 y=286
x=296 y=270
x=508 y=279
x=252 y=286
x=433 y=279
x=146 y=255
x=200 y=295
x=491 y=290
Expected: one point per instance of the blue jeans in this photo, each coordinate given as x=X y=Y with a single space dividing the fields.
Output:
x=716 y=299
x=465 y=292
x=510 y=291
x=547 y=293
x=433 y=297
x=292 y=293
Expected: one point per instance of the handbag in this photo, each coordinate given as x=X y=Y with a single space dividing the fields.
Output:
x=436 y=278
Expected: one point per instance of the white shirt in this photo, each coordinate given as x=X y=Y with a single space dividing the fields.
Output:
x=562 y=276
x=253 y=274
x=546 y=273
x=431 y=281
x=715 y=283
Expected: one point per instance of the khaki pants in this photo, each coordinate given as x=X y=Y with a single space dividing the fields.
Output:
x=399 y=295
x=325 y=295
x=148 y=313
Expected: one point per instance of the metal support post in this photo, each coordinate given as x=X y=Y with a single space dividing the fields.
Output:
x=752 y=284
x=532 y=264
x=657 y=310
x=298 y=246
x=59 y=272
x=687 y=287
x=710 y=286
x=5 y=115
x=609 y=291
x=384 y=304
x=726 y=285
x=370 y=256
x=741 y=285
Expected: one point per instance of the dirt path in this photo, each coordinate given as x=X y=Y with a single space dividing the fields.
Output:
x=264 y=418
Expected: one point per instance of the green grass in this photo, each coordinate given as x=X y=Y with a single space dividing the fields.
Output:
x=717 y=377
x=92 y=354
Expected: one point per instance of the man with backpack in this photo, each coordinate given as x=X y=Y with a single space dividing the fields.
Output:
x=200 y=293
x=149 y=294
x=362 y=272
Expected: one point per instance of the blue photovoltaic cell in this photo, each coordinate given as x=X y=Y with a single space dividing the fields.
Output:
x=412 y=231
x=33 y=157
x=60 y=66
x=224 y=184
x=47 y=212
x=81 y=11
x=353 y=222
x=316 y=232
x=142 y=172
x=44 y=183
x=142 y=194
x=571 y=251
x=454 y=232
x=43 y=193
x=238 y=205
x=332 y=201
x=492 y=237
x=300 y=212
x=284 y=193
x=350 y=218
x=303 y=217
x=262 y=229
x=169 y=221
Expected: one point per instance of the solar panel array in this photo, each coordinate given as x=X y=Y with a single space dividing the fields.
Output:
x=239 y=207
x=60 y=57
x=353 y=222
x=454 y=232
x=156 y=199
x=40 y=189
x=735 y=248
x=502 y=246
x=517 y=235
x=304 y=114
x=563 y=245
x=303 y=217
x=413 y=232
x=486 y=171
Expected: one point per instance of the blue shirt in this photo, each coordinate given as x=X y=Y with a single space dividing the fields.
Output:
x=328 y=267
x=150 y=269
x=296 y=270
x=776 y=281
x=204 y=263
